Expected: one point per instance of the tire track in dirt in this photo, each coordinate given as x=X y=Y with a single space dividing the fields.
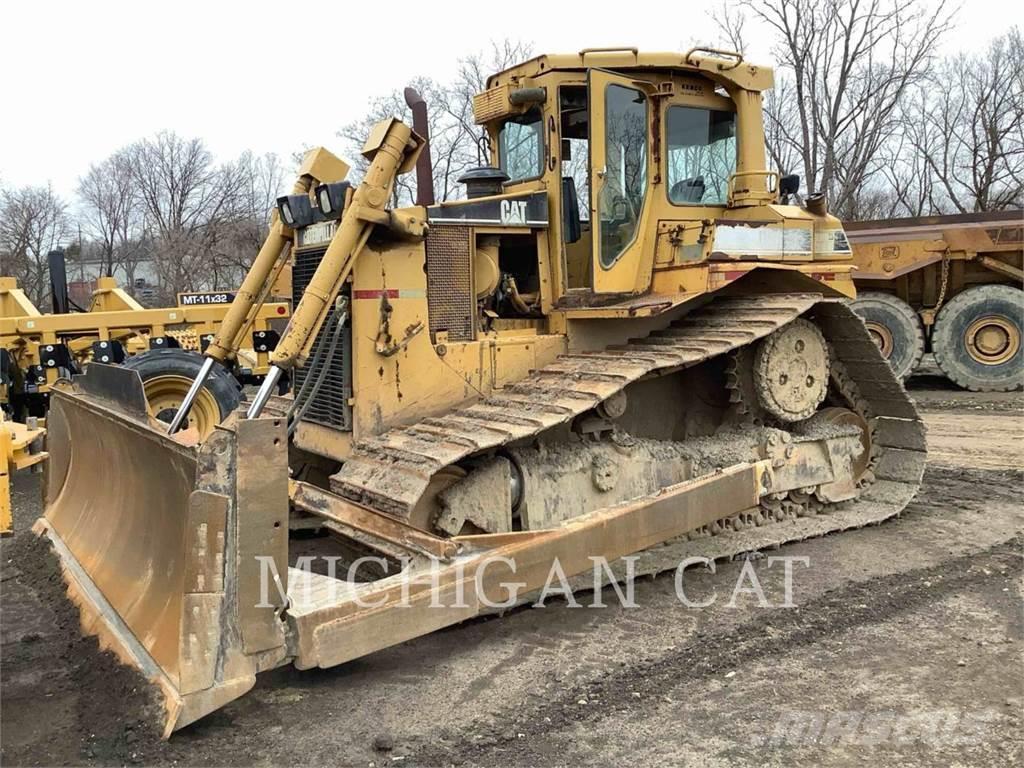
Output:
x=982 y=440
x=711 y=653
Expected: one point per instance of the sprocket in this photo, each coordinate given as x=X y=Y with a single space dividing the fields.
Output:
x=790 y=371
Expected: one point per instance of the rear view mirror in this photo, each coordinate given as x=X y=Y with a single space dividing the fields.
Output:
x=566 y=150
x=789 y=185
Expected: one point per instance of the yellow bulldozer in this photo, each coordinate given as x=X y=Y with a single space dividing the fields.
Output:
x=654 y=356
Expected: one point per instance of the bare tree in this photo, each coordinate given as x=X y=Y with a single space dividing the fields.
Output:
x=179 y=185
x=905 y=163
x=845 y=66
x=33 y=222
x=185 y=198
x=456 y=142
x=262 y=179
x=108 y=198
x=781 y=141
x=258 y=181
x=730 y=23
x=968 y=129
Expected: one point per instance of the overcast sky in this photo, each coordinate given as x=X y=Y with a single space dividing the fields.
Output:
x=81 y=79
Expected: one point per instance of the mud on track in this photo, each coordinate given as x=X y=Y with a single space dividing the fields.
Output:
x=920 y=614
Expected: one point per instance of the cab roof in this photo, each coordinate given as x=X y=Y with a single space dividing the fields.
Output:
x=723 y=67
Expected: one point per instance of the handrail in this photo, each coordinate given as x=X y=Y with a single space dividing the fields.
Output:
x=717 y=52
x=771 y=189
x=612 y=49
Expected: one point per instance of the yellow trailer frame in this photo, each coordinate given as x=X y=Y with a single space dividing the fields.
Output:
x=20 y=448
x=113 y=316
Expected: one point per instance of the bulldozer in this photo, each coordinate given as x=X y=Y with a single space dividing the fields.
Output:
x=619 y=342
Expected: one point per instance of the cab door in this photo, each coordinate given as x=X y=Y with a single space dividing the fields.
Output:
x=620 y=137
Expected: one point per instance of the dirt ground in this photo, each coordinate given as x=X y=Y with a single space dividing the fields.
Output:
x=905 y=646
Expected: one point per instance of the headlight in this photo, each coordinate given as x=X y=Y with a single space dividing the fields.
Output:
x=295 y=210
x=286 y=211
x=331 y=198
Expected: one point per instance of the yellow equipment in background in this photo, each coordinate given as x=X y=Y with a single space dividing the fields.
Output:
x=42 y=347
x=37 y=349
x=20 y=448
x=951 y=285
x=568 y=365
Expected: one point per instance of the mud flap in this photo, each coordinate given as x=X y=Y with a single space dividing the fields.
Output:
x=163 y=545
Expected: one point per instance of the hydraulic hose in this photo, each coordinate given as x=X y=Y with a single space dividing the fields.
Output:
x=299 y=408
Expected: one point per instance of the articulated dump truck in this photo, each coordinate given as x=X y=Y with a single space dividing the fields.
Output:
x=950 y=285
x=651 y=356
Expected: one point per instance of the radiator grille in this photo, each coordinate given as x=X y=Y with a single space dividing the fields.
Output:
x=330 y=407
x=450 y=298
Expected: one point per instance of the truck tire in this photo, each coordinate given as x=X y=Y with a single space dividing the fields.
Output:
x=895 y=328
x=167 y=375
x=977 y=338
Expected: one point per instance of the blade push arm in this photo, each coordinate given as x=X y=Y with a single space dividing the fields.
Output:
x=317 y=165
x=247 y=303
x=392 y=149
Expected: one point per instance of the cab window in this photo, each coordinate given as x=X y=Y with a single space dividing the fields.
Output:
x=521 y=146
x=701 y=155
x=625 y=173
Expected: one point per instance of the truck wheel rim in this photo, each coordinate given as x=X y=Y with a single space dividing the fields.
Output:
x=164 y=395
x=992 y=340
x=882 y=337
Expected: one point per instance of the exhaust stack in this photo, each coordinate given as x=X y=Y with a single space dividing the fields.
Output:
x=59 y=297
x=424 y=166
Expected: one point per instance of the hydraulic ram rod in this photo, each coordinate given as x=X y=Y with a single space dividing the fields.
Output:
x=243 y=309
x=367 y=209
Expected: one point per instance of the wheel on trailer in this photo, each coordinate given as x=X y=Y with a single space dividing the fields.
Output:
x=166 y=377
x=977 y=338
x=895 y=328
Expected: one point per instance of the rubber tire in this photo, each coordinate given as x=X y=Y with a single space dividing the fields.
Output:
x=180 y=362
x=903 y=323
x=950 y=347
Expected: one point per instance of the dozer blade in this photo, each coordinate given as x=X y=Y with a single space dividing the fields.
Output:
x=151 y=544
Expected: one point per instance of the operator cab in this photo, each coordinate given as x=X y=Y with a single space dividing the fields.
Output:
x=622 y=143
x=622 y=175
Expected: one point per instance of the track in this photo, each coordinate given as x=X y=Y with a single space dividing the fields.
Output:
x=392 y=471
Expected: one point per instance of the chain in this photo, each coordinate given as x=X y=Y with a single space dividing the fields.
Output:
x=945 y=280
